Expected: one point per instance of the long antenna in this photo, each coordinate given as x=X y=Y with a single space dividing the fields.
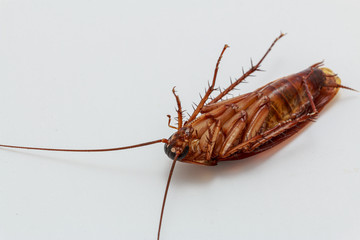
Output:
x=165 y=194
x=87 y=150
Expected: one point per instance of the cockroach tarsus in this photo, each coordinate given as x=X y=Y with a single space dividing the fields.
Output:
x=241 y=126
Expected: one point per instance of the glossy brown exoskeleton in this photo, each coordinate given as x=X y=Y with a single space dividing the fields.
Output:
x=254 y=122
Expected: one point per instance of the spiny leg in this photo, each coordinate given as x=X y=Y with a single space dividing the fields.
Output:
x=281 y=129
x=179 y=110
x=259 y=140
x=307 y=90
x=245 y=75
x=210 y=89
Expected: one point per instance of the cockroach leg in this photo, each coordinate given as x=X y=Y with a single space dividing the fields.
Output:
x=169 y=123
x=252 y=69
x=282 y=129
x=210 y=89
x=255 y=142
x=307 y=90
x=235 y=132
x=212 y=140
x=179 y=110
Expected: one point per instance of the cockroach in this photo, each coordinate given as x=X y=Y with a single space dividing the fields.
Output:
x=236 y=128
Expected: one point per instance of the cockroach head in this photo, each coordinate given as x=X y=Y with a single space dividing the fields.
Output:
x=178 y=143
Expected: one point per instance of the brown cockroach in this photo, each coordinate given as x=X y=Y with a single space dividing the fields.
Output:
x=245 y=125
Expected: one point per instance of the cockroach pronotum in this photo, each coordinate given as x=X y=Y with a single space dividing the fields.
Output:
x=239 y=127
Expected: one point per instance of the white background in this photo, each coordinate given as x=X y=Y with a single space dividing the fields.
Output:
x=93 y=74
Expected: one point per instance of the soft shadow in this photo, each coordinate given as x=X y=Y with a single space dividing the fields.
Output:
x=194 y=174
